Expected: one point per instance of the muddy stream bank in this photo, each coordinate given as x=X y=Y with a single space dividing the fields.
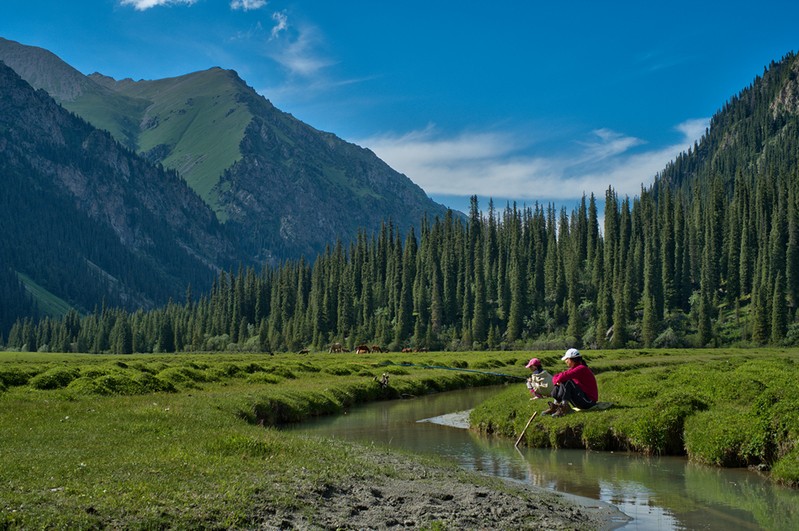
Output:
x=654 y=492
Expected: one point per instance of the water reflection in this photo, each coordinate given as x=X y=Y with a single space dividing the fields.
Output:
x=658 y=493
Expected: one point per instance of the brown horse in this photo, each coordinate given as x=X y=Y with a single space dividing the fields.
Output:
x=304 y=351
x=406 y=349
x=336 y=347
x=362 y=349
x=376 y=348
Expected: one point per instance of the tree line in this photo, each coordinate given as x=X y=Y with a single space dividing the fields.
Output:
x=671 y=268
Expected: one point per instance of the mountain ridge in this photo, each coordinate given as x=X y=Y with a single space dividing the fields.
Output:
x=259 y=168
x=89 y=220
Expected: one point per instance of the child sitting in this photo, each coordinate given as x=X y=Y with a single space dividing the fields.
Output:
x=540 y=381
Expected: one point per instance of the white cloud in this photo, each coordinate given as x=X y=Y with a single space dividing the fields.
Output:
x=281 y=23
x=142 y=5
x=247 y=5
x=497 y=165
x=299 y=53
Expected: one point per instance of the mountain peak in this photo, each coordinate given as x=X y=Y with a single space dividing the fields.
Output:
x=43 y=69
x=279 y=183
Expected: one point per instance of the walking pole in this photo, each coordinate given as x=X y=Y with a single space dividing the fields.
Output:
x=525 y=429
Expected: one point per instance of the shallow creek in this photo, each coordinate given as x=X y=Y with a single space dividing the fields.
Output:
x=661 y=493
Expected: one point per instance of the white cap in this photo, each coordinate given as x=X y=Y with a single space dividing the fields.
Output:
x=571 y=353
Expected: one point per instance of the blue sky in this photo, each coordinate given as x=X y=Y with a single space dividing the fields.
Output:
x=524 y=100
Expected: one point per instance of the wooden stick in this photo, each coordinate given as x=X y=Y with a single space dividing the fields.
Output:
x=525 y=429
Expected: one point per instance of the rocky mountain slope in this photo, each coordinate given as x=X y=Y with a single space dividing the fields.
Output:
x=283 y=188
x=89 y=220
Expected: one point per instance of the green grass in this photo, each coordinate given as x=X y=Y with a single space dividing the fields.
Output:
x=182 y=441
x=725 y=407
x=182 y=122
x=48 y=303
x=115 y=113
x=187 y=441
x=175 y=115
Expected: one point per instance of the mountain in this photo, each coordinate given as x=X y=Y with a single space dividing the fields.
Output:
x=754 y=135
x=88 y=220
x=282 y=188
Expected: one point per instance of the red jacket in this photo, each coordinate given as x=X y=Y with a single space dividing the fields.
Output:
x=583 y=377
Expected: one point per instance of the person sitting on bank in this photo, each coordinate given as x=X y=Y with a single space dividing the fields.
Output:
x=576 y=386
x=540 y=381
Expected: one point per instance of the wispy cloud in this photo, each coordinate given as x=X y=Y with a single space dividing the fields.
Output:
x=498 y=165
x=142 y=5
x=247 y=5
x=281 y=23
x=299 y=51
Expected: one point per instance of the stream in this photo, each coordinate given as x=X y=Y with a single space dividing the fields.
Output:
x=663 y=493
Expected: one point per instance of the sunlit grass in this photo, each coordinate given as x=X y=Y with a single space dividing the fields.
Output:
x=182 y=440
x=726 y=407
x=187 y=440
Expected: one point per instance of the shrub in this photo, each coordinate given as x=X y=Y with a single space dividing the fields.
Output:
x=152 y=384
x=726 y=436
x=13 y=376
x=94 y=372
x=284 y=372
x=264 y=377
x=227 y=370
x=55 y=378
x=786 y=470
x=337 y=371
x=659 y=430
x=186 y=375
x=489 y=364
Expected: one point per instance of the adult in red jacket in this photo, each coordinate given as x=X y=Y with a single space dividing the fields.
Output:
x=576 y=386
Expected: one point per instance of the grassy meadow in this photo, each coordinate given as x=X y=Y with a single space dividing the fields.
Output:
x=724 y=407
x=189 y=440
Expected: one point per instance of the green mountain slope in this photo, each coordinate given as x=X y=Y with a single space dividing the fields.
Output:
x=285 y=188
x=755 y=134
x=103 y=108
x=194 y=123
x=88 y=220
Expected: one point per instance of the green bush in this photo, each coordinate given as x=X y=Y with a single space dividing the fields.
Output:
x=659 y=430
x=264 y=378
x=120 y=383
x=13 y=376
x=786 y=470
x=187 y=375
x=726 y=436
x=283 y=372
x=93 y=372
x=337 y=371
x=227 y=370
x=55 y=378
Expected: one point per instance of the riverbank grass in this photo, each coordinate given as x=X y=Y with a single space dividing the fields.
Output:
x=187 y=441
x=732 y=408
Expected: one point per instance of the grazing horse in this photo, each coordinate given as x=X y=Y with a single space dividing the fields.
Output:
x=376 y=348
x=304 y=351
x=336 y=347
x=420 y=349
x=362 y=349
x=406 y=349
